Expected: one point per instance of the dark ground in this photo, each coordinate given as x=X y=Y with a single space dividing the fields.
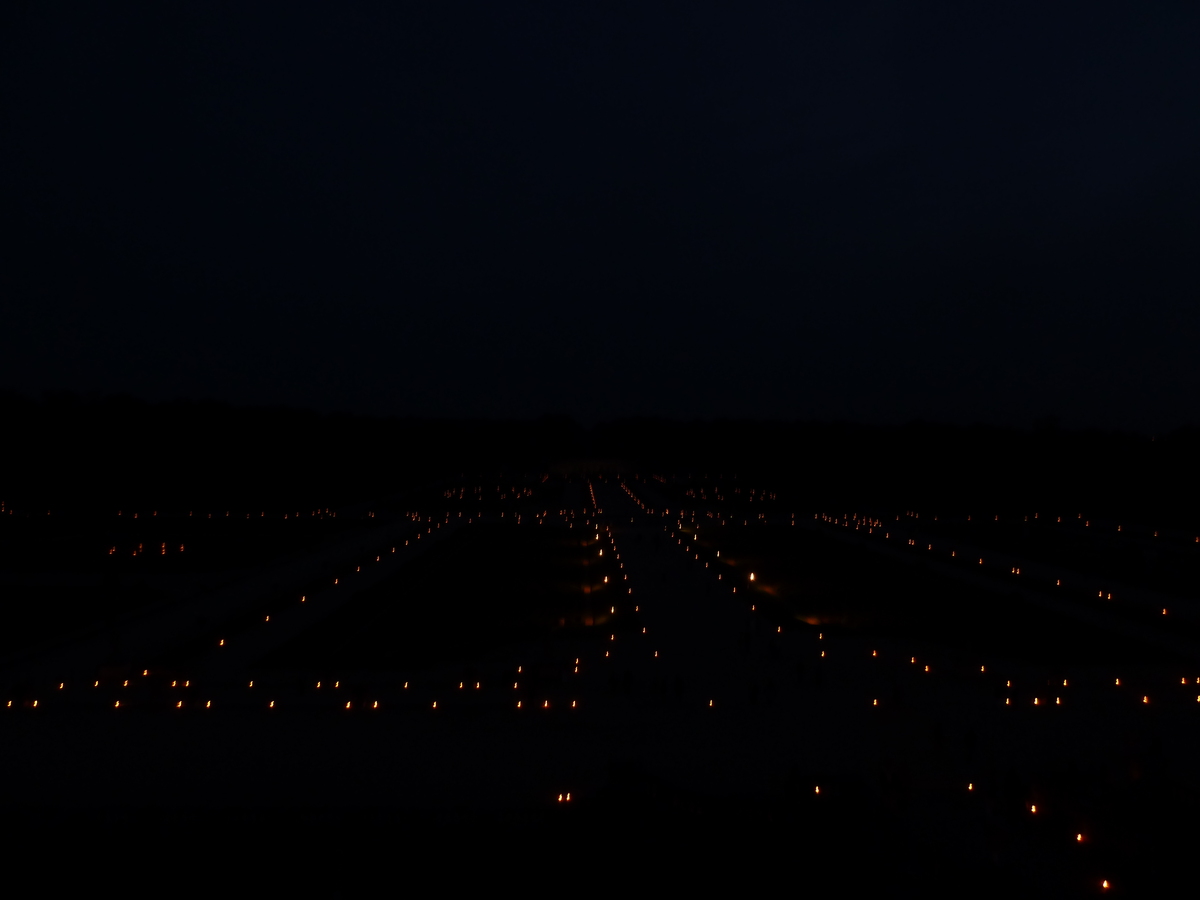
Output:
x=690 y=724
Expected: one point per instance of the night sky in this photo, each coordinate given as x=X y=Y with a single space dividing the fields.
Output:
x=864 y=211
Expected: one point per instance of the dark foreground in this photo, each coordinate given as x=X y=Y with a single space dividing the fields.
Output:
x=578 y=677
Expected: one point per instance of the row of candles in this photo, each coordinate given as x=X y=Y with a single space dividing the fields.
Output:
x=688 y=540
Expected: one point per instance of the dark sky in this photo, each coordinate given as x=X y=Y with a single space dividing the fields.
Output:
x=868 y=211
